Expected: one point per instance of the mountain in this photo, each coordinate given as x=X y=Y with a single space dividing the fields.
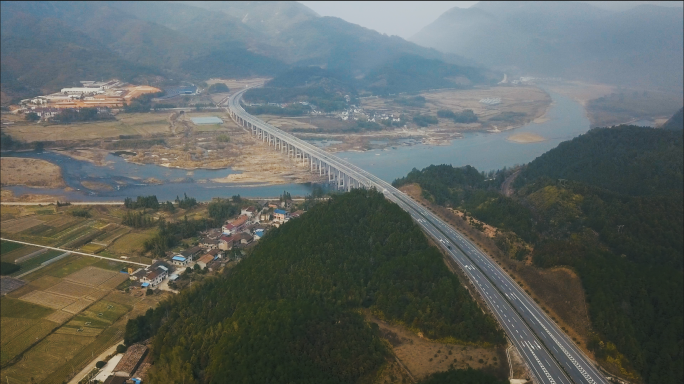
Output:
x=638 y=47
x=183 y=41
x=676 y=122
x=607 y=204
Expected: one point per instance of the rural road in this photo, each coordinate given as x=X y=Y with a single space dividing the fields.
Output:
x=91 y=365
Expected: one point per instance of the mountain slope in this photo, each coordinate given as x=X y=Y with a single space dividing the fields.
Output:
x=676 y=122
x=604 y=220
x=638 y=47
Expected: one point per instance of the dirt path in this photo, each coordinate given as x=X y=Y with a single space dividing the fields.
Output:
x=506 y=187
x=91 y=365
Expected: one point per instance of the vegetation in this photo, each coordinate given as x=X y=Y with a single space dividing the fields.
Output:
x=80 y=212
x=142 y=103
x=467 y=116
x=80 y=115
x=417 y=101
x=629 y=160
x=609 y=205
x=462 y=376
x=676 y=122
x=218 y=88
x=8 y=268
x=150 y=202
x=424 y=120
x=137 y=220
x=186 y=202
x=289 y=312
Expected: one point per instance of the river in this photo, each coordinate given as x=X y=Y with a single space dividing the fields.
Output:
x=484 y=151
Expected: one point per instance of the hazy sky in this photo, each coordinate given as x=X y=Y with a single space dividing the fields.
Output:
x=401 y=18
x=406 y=18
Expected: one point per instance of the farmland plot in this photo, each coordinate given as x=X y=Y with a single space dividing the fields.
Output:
x=91 y=276
x=46 y=299
x=67 y=288
x=18 y=225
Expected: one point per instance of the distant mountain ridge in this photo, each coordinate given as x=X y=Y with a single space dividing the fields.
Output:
x=639 y=47
x=182 y=40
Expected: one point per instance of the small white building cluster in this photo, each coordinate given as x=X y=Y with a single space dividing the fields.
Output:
x=491 y=101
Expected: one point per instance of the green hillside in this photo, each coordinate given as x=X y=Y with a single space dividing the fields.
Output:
x=629 y=160
x=289 y=312
x=616 y=219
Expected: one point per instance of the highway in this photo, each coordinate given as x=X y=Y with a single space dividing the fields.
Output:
x=549 y=354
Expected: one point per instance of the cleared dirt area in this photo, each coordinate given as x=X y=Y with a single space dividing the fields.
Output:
x=422 y=357
x=30 y=172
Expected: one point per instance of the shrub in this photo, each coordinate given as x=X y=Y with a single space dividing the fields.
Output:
x=121 y=348
x=100 y=364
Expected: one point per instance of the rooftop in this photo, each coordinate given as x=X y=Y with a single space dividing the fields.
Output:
x=178 y=258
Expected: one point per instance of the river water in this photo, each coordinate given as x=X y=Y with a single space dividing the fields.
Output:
x=484 y=151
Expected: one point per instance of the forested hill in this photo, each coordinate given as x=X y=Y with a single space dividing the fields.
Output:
x=629 y=160
x=605 y=220
x=676 y=122
x=289 y=312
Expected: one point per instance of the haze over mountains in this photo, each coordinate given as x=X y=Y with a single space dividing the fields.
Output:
x=638 y=47
x=48 y=45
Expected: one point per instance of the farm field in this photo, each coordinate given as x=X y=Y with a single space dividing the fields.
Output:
x=131 y=242
x=37 y=261
x=62 y=316
x=144 y=124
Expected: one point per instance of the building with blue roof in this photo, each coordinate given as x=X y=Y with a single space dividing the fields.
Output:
x=280 y=215
x=179 y=260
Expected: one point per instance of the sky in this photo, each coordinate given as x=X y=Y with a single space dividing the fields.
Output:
x=406 y=18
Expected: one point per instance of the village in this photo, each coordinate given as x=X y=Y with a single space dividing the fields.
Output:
x=214 y=249
x=103 y=95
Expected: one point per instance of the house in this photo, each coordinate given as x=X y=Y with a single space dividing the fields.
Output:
x=249 y=212
x=258 y=234
x=296 y=214
x=280 y=215
x=240 y=221
x=130 y=361
x=179 y=260
x=207 y=243
x=272 y=205
x=155 y=274
x=245 y=238
x=226 y=242
x=228 y=229
x=204 y=260
x=216 y=253
x=265 y=216
x=190 y=253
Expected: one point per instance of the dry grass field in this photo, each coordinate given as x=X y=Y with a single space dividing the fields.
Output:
x=113 y=282
x=30 y=172
x=26 y=332
x=144 y=124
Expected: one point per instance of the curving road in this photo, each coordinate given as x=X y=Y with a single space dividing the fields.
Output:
x=549 y=354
